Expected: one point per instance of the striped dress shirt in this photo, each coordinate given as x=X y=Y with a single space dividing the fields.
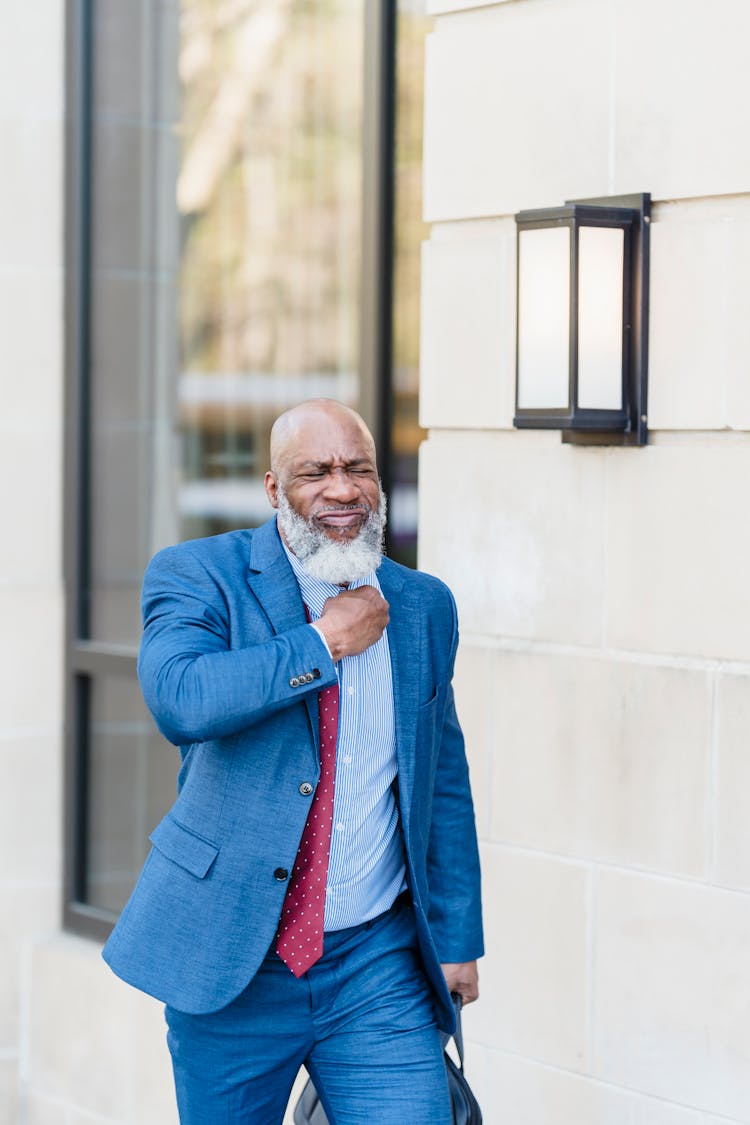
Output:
x=366 y=869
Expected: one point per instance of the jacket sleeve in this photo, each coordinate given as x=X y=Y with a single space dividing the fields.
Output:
x=196 y=687
x=453 y=873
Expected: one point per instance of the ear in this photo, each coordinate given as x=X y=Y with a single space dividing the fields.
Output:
x=269 y=482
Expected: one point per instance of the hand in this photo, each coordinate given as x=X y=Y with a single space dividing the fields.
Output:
x=353 y=621
x=463 y=978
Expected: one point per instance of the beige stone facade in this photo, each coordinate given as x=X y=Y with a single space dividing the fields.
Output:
x=604 y=675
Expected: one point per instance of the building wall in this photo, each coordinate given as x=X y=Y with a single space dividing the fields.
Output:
x=76 y=1046
x=30 y=554
x=604 y=674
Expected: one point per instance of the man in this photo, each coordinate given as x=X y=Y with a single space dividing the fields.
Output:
x=313 y=895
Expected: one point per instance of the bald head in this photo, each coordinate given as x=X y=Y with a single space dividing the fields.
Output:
x=323 y=482
x=322 y=427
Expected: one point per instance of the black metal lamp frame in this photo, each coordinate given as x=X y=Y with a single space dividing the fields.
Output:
x=628 y=425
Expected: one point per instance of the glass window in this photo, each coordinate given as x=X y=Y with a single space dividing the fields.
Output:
x=218 y=207
x=131 y=777
x=270 y=207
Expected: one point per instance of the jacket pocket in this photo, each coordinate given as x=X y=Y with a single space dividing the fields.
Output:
x=423 y=707
x=184 y=847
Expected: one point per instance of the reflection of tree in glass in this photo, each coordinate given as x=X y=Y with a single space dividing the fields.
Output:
x=270 y=185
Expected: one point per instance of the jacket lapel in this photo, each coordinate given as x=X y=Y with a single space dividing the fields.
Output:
x=404 y=645
x=272 y=581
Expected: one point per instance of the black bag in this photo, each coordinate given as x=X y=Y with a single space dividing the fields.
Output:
x=466 y=1111
x=465 y=1106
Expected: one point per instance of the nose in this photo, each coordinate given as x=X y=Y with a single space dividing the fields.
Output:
x=341 y=487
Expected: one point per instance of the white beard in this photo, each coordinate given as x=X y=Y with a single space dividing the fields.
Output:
x=324 y=558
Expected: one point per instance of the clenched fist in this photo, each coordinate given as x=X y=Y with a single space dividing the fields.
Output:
x=353 y=621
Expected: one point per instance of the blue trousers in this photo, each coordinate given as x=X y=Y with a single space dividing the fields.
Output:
x=361 y=1020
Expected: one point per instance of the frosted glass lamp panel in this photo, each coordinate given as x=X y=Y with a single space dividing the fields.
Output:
x=543 y=318
x=600 y=281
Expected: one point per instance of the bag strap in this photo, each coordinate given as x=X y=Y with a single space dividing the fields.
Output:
x=458 y=1035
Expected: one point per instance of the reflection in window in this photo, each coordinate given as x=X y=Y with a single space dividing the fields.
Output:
x=269 y=194
x=216 y=280
x=131 y=772
x=409 y=232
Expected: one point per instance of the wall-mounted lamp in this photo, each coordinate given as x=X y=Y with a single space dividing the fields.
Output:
x=582 y=331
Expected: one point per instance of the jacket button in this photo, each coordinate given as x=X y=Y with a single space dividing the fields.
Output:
x=281 y=874
x=306 y=788
x=294 y=682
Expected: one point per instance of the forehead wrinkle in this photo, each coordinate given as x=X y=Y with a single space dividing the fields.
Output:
x=330 y=462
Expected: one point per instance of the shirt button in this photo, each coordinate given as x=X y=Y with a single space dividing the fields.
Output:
x=350 y=690
x=306 y=788
x=347 y=758
x=339 y=827
x=281 y=874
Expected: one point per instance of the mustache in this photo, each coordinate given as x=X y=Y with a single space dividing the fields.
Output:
x=341 y=508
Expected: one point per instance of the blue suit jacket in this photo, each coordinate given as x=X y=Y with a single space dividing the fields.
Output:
x=225 y=643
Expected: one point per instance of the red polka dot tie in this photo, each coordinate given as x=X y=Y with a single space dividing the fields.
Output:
x=300 y=940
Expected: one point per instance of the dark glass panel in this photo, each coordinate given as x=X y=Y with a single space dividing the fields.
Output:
x=131 y=784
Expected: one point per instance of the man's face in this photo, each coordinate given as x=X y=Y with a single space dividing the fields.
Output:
x=329 y=476
x=331 y=509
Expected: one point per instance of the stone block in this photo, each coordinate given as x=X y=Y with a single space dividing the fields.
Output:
x=31 y=498
x=31 y=657
x=602 y=759
x=678 y=551
x=31 y=218
x=30 y=808
x=533 y=979
x=25 y=913
x=467 y=356
x=66 y=1036
x=529 y=515
x=498 y=138
x=680 y=104
x=523 y=1092
x=738 y=321
x=475 y=690
x=9 y=1091
x=31 y=328
x=733 y=783
x=32 y=74
x=699 y=323
x=671 y=980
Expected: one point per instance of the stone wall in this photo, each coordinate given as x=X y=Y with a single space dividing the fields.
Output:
x=31 y=138
x=604 y=675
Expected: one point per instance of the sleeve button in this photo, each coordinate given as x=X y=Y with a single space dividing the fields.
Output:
x=281 y=874
x=294 y=682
